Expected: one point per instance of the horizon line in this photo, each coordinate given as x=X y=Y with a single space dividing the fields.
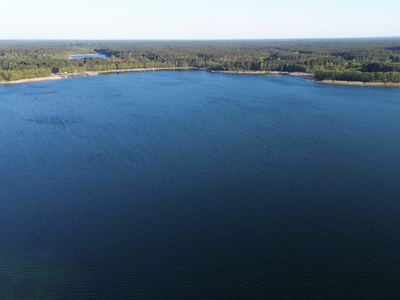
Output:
x=222 y=39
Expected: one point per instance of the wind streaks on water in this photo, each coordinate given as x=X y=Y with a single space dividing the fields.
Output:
x=196 y=185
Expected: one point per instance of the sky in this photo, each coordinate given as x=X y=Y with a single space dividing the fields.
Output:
x=193 y=19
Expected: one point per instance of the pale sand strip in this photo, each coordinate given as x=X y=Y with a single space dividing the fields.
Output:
x=313 y=79
x=382 y=83
x=138 y=70
x=264 y=72
x=91 y=73
x=94 y=73
x=359 y=83
x=53 y=77
x=301 y=74
x=244 y=72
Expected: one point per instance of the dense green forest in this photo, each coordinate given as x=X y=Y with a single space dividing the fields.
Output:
x=367 y=60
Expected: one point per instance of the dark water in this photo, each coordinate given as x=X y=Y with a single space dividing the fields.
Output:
x=192 y=185
x=88 y=56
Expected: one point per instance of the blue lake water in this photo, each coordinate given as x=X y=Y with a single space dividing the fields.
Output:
x=196 y=185
x=88 y=56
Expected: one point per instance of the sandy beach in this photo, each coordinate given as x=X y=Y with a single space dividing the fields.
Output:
x=246 y=72
x=359 y=83
x=242 y=72
x=53 y=77
x=301 y=74
x=93 y=73
x=139 y=70
x=264 y=72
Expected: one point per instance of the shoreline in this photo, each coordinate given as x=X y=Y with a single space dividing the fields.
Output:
x=53 y=77
x=91 y=73
x=344 y=82
x=95 y=73
x=264 y=72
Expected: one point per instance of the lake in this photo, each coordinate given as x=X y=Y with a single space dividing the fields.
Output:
x=88 y=56
x=198 y=185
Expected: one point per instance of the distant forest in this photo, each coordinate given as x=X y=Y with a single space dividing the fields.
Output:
x=366 y=60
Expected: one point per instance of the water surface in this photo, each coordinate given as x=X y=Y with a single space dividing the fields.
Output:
x=88 y=56
x=195 y=185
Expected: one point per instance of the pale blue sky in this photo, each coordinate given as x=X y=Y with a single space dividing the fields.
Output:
x=207 y=19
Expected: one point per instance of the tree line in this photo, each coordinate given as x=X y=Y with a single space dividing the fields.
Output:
x=335 y=59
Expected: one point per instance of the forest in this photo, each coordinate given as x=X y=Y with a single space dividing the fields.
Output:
x=366 y=60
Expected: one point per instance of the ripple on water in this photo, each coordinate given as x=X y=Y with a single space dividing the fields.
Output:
x=193 y=185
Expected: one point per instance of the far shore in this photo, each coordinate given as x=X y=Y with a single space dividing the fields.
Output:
x=359 y=83
x=264 y=72
x=94 y=73
x=139 y=70
x=52 y=77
